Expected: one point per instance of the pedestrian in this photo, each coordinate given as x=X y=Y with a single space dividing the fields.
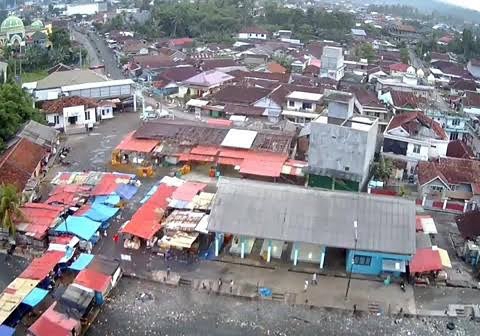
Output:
x=105 y=233
x=219 y=283
x=314 y=279
x=168 y=271
x=115 y=238
x=231 y=286
x=305 y=287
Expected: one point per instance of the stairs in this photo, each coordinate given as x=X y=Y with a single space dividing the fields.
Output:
x=374 y=308
x=185 y=282
x=278 y=297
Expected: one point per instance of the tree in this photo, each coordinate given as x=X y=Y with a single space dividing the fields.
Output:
x=16 y=107
x=383 y=169
x=10 y=202
x=60 y=39
x=365 y=50
x=405 y=57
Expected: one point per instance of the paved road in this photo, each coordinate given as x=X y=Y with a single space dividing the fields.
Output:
x=142 y=308
x=99 y=53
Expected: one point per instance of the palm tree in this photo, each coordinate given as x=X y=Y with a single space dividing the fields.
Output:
x=10 y=201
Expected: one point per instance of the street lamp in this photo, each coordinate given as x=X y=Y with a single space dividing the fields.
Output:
x=355 y=237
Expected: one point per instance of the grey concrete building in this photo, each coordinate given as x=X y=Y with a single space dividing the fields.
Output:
x=342 y=145
x=332 y=63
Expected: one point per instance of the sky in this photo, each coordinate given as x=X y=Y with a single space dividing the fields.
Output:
x=470 y=4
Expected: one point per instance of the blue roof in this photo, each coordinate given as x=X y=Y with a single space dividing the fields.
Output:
x=82 y=227
x=82 y=262
x=113 y=199
x=6 y=330
x=101 y=212
x=35 y=297
x=126 y=191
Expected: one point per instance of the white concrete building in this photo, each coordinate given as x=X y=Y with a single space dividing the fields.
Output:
x=412 y=137
x=71 y=114
x=332 y=65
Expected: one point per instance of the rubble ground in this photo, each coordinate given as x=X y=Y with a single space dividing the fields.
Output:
x=143 y=308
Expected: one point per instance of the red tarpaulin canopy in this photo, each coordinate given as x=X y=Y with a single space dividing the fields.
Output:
x=425 y=260
x=40 y=267
x=129 y=143
x=94 y=280
x=146 y=222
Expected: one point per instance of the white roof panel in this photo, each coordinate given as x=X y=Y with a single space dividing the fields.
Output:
x=94 y=85
x=305 y=96
x=197 y=102
x=239 y=138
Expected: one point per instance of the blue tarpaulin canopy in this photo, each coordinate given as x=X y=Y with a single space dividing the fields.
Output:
x=82 y=227
x=82 y=262
x=112 y=200
x=100 y=212
x=126 y=191
x=35 y=297
x=6 y=331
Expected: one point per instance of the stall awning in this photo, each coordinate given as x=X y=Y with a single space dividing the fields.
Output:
x=131 y=144
x=94 y=280
x=188 y=190
x=444 y=257
x=425 y=260
x=40 y=267
x=197 y=103
x=180 y=240
x=35 y=297
x=426 y=224
x=82 y=227
x=261 y=168
x=82 y=262
x=196 y=157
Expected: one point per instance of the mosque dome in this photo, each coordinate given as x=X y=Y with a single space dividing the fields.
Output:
x=37 y=25
x=411 y=70
x=12 y=24
x=431 y=78
x=420 y=73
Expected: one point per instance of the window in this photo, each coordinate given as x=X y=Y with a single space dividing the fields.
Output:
x=306 y=106
x=362 y=260
x=453 y=136
x=103 y=112
x=291 y=103
x=347 y=168
x=56 y=119
x=416 y=149
x=87 y=115
x=435 y=188
x=456 y=122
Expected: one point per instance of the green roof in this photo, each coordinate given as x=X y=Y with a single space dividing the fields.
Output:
x=12 y=24
x=37 y=25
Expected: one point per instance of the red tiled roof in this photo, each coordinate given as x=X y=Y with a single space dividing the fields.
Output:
x=153 y=61
x=233 y=109
x=239 y=95
x=40 y=267
x=264 y=75
x=439 y=56
x=450 y=171
x=406 y=28
x=180 y=42
x=464 y=85
x=218 y=63
x=274 y=67
x=446 y=39
x=469 y=224
x=19 y=162
x=398 y=67
x=451 y=68
x=472 y=99
x=178 y=74
x=129 y=143
x=405 y=99
x=57 y=106
x=425 y=260
x=459 y=149
x=413 y=121
x=365 y=97
x=94 y=280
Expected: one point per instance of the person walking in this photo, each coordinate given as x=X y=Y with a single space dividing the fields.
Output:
x=168 y=271
x=305 y=287
x=314 y=279
x=231 y=286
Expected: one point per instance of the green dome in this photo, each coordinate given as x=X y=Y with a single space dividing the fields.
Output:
x=37 y=25
x=12 y=24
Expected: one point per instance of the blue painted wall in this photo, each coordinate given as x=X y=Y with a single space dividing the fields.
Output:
x=375 y=267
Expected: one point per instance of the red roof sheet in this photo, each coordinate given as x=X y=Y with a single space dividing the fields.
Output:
x=129 y=143
x=220 y=122
x=40 y=267
x=230 y=161
x=67 y=194
x=205 y=150
x=40 y=217
x=53 y=323
x=459 y=149
x=97 y=281
x=196 y=157
x=108 y=184
x=146 y=221
x=398 y=67
x=261 y=168
x=188 y=190
x=413 y=121
x=425 y=260
x=19 y=162
x=57 y=106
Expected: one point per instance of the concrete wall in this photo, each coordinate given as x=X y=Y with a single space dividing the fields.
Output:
x=298 y=105
x=375 y=267
x=474 y=70
x=341 y=151
x=427 y=189
x=113 y=91
x=340 y=110
x=51 y=120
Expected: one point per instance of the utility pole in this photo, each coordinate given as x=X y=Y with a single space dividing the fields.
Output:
x=355 y=233
x=80 y=58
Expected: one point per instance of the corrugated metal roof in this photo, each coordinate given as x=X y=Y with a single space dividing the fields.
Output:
x=297 y=214
x=13 y=295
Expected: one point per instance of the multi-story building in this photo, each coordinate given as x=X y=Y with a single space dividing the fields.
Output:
x=342 y=145
x=332 y=65
x=412 y=137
